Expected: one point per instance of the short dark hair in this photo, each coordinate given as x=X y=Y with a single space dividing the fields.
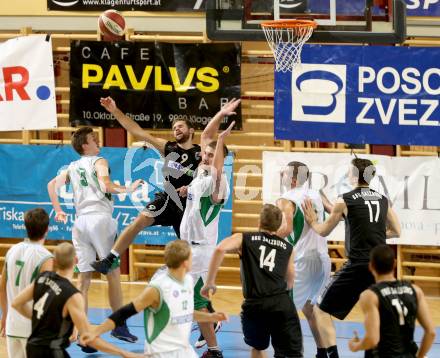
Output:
x=213 y=144
x=176 y=252
x=36 y=222
x=299 y=171
x=366 y=170
x=382 y=259
x=270 y=218
x=79 y=137
x=188 y=123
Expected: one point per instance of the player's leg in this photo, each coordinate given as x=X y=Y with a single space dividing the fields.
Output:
x=16 y=347
x=255 y=326
x=155 y=213
x=285 y=328
x=104 y=232
x=206 y=328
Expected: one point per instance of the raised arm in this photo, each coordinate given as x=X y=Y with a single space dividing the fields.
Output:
x=393 y=224
x=107 y=186
x=52 y=188
x=328 y=205
x=3 y=301
x=425 y=320
x=370 y=307
x=288 y=208
x=210 y=132
x=131 y=126
x=218 y=194
x=325 y=228
x=230 y=244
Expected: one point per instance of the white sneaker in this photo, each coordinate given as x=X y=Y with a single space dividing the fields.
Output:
x=201 y=341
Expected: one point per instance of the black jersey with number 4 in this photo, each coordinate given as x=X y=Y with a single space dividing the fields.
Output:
x=180 y=164
x=398 y=312
x=264 y=262
x=49 y=327
x=365 y=223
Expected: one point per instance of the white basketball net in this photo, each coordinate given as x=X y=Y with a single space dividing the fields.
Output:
x=286 y=44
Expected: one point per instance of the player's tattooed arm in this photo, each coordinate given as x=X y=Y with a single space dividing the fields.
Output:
x=370 y=306
x=131 y=126
x=326 y=227
x=230 y=244
x=393 y=224
x=288 y=208
x=210 y=132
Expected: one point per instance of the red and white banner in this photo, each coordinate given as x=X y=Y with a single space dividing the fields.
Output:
x=27 y=84
x=410 y=183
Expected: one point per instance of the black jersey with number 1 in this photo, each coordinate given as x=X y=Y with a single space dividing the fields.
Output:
x=398 y=312
x=365 y=223
x=49 y=328
x=264 y=262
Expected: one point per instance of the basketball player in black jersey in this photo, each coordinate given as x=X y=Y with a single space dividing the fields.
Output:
x=369 y=220
x=267 y=273
x=57 y=307
x=181 y=160
x=391 y=307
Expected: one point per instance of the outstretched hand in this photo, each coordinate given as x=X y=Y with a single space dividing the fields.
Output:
x=108 y=103
x=61 y=217
x=227 y=131
x=309 y=212
x=229 y=108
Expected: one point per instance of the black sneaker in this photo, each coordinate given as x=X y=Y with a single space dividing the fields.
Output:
x=86 y=349
x=201 y=340
x=122 y=333
x=102 y=266
x=212 y=354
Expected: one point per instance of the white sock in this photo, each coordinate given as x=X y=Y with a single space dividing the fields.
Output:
x=114 y=252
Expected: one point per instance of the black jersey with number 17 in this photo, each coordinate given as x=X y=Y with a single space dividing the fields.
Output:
x=365 y=223
x=180 y=164
x=49 y=328
x=264 y=262
x=398 y=312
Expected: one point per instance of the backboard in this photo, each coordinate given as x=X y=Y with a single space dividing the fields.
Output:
x=339 y=21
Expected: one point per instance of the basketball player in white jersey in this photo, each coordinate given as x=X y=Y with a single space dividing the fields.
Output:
x=23 y=262
x=168 y=305
x=94 y=231
x=312 y=262
x=207 y=194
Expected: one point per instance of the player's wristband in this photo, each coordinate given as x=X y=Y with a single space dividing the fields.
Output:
x=122 y=314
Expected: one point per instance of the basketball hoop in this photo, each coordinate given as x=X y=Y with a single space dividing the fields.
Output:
x=286 y=39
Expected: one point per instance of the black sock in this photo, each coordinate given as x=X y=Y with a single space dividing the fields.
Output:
x=321 y=353
x=111 y=257
x=332 y=352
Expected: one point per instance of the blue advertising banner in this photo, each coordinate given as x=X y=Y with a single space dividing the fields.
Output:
x=27 y=169
x=427 y=8
x=361 y=94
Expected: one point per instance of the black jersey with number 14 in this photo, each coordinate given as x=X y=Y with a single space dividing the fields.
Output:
x=49 y=328
x=264 y=262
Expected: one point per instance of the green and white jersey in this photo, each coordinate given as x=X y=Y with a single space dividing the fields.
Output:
x=87 y=193
x=305 y=240
x=23 y=262
x=168 y=328
x=201 y=217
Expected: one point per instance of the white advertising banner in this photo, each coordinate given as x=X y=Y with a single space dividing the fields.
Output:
x=27 y=84
x=410 y=183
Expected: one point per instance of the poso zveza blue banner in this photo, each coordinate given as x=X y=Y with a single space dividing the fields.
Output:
x=427 y=8
x=361 y=94
x=27 y=169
